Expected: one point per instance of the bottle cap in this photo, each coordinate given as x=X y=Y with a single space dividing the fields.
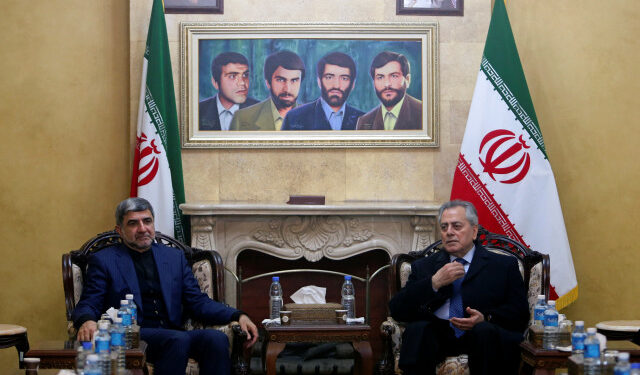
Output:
x=580 y=322
x=552 y=303
x=129 y=296
x=103 y=325
x=541 y=296
x=124 y=302
x=275 y=278
x=591 y=330
x=117 y=319
x=347 y=277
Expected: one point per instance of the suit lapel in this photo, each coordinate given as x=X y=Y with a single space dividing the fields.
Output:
x=320 y=121
x=378 y=122
x=478 y=262
x=164 y=274
x=264 y=120
x=349 y=119
x=128 y=271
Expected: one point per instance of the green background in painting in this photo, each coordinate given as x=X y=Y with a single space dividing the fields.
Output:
x=362 y=97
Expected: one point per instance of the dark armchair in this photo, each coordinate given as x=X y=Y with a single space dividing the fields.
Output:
x=534 y=268
x=207 y=268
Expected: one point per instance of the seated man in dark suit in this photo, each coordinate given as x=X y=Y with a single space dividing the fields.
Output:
x=463 y=299
x=336 y=78
x=163 y=286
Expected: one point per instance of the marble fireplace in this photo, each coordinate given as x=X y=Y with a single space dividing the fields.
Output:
x=312 y=232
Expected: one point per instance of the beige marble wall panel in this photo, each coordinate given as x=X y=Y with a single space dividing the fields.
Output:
x=273 y=175
x=202 y=184
x=389 y=175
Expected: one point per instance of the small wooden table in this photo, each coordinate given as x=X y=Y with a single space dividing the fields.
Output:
x=358 y=335
x=58 y=354
x=539 y=361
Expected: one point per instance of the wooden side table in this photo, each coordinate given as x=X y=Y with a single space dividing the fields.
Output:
x=539 y=361
x=619 y=329
x=62 y=354
x=358 y=335
x=13 y=335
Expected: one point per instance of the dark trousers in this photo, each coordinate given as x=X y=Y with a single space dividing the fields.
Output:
x=169 y=350
x=491 y=349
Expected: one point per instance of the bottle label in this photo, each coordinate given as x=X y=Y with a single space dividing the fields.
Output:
x=126 y=319
x=117 y=339
x=551 y=320
x=577 y=341
x=102 y=346
x=592 y=350
x=621 y=372
x=538 y=313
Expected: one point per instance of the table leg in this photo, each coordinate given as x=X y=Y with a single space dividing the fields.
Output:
x=273 y=349
x=364 y=363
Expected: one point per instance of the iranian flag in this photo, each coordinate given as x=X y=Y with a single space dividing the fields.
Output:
x=503 y=168
x=157 y=166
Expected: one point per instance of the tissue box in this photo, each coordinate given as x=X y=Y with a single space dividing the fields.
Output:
x=313 y=311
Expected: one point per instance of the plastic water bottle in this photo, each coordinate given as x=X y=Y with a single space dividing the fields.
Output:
x=135 y=328
x=92 y=366
x=103 y=347
x=117 y=345
x=125 y=313
x=550 y=336
x=133 y=308
x=577 y=338
x=538 y=311
x=275 y=297
x=349 y=297
x=591 y=353
x=83 y=351
x=635 y=369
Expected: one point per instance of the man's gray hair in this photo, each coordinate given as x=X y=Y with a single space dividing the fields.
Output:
x=469 y=209
x=132 y=205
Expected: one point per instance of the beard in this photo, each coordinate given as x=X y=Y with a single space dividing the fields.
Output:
x=334 y=100
x=281 y=101
x=393 y=101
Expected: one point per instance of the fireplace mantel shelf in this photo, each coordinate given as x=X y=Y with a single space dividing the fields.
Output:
x=333 y=208
x=337 y=230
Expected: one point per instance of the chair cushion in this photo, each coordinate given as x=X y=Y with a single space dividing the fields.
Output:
x=77 y=283
x=454 y=366
x=204 y=274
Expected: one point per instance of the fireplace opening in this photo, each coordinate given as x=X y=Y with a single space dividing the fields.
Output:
x=254 y=299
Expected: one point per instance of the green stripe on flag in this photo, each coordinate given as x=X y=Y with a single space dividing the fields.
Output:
x=161 y=104
x=501 y=64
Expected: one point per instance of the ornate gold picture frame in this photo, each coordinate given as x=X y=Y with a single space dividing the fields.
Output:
x=411 y=46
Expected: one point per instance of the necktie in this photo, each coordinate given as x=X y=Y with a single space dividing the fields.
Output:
x=389 y=121
x=455 y=303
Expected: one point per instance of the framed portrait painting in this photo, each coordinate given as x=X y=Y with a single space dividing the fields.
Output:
x=295 y=85
x=193 y=6
x=430 y=7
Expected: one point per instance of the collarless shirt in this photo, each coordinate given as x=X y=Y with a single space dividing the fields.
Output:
x=154 y=310
x=335 y=118
x=225 y=115
x=443 y=311
x=391 y=117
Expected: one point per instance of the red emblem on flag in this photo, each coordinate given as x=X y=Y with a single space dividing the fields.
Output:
x=504 y=155
x=149 y=164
